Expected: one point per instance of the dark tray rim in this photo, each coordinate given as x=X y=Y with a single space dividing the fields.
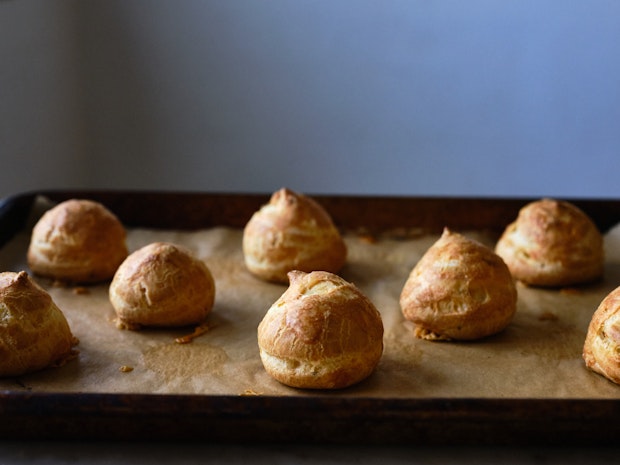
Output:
x=313 y=419
x=317 y=417
x=235 y=209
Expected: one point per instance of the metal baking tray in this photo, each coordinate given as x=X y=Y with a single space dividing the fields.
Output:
x=316 y=417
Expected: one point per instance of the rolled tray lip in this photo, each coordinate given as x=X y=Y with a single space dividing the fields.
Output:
x=322 y=419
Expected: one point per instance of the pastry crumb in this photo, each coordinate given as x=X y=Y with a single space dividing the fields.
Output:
x=427 y=334
x=125 y=369
x=250 y=392
x=548 y=316
x=80 y=290
x=367 y=238
x=198 y=331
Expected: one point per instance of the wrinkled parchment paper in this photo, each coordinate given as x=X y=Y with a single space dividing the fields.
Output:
x=538 y=355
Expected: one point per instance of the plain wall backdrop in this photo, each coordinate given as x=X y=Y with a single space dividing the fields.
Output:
x=41 y=134
x=413 y=97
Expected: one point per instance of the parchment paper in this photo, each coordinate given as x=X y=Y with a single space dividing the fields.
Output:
x=538 y=355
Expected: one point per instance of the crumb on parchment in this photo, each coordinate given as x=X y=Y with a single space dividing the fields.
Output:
x=250 y=392
x=198 y=331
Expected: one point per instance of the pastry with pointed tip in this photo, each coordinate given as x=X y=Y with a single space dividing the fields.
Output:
x=552 y=244
x=34 y=333
x=322 y=333
x=162 y=284
x=292 y=232
x=459 y=290
x=601 y=349
x=77 y=241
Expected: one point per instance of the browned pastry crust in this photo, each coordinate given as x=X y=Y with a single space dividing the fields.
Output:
x=459 y=290
x=34 y=333
x=601 y=350
x=162 y=284
x=292 y=232
x=322 y=333
x=551 y=244
x=77 y=241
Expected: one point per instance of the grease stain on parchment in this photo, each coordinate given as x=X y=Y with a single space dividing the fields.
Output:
x=179 y=361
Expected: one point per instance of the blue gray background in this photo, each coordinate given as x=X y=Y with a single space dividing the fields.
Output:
x=413 y=97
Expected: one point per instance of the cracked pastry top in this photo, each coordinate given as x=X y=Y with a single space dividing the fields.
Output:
x=459 y=290
x=291 y=232
x=161 y=284
x=77 y=241
x=552 y=244
x=322 y=333
x=34 y=333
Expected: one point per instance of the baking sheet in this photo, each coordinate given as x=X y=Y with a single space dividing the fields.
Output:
x=428 y=409
x=537 y=356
